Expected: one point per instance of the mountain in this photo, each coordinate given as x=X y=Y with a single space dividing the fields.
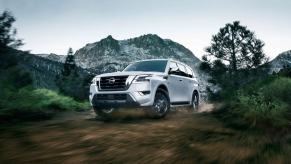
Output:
x=110 y=55
x=42 y=68
x=107 y=55
x=281 y=61
x=53 y=57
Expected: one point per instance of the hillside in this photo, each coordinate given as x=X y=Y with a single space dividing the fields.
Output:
x=109 y=54
x=281 y=61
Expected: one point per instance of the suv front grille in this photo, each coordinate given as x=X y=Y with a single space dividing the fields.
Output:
x=113 y=83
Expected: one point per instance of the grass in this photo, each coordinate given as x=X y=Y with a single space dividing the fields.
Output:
x=30 y=103
x=20 y=101
x=263 y=104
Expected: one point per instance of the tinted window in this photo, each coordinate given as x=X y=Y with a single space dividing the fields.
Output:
x=189 y=72
x=148 y=66
x=173 y=65
x=174 y=70
x=182 y=69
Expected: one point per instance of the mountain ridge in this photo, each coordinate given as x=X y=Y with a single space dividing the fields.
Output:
x=114 y=55
x=280 y=61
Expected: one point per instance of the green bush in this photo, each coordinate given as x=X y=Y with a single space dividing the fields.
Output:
x=256 y=109
x=279 y=89
x=264 y=103
x=32 y=103
x=18 y=100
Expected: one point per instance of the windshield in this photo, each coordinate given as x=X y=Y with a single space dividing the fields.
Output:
x=148 y=66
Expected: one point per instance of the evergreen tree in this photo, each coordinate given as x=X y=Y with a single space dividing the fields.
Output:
x=8 y=41
x=7 y=32
x=70 y=65
x=72 y=81
x=234 y=52
x=68 y=81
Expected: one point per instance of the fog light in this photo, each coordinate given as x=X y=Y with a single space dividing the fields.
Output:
x=142 y=93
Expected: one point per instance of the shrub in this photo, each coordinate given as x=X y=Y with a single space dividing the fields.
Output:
x=256 y=109
x=279 y=89
x=264 y=103
x=32 y=103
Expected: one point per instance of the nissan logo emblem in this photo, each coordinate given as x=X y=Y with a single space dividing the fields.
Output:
x=111 y=80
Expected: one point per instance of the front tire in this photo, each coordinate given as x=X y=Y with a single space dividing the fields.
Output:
x=105 y=114
x=161 y=105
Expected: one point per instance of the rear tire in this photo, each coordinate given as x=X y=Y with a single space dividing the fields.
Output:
x=194 y=103
x=161 y=105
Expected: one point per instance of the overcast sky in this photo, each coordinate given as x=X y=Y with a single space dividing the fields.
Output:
x=52 y=26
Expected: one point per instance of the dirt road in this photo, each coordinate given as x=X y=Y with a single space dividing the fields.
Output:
x=79 y=138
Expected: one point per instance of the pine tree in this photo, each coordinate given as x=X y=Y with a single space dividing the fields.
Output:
x=68 y=81
x=8 y=40
x=72 y=81
x=70 y=65
x=7 y=32
x=234 y=50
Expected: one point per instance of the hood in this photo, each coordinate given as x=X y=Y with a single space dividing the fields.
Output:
x=130 y=73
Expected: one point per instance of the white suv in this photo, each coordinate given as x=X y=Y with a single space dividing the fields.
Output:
x=157 y=84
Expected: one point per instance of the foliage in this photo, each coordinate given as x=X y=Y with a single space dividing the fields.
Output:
x=70 y=65
x=29 y=99
x=72 y=81
x=285 y=72
x=234 y=54
x=19 y=100
x=264 y=103
x=7 y=32
x=69 y=81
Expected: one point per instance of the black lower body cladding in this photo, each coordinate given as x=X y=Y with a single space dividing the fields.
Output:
x=102 y=101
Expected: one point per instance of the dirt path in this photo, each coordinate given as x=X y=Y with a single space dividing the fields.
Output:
x=79 y=138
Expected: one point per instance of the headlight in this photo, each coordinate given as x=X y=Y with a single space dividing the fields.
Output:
x=95 y=80
x=142 y=78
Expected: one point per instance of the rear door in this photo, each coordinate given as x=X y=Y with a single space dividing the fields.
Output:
x=178 y=84
x=184 y=81
x=192 y=83
x=174 y=83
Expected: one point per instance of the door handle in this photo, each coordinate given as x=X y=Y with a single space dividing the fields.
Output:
x=180 y=80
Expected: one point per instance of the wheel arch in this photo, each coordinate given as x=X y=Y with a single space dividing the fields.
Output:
x=165 y=89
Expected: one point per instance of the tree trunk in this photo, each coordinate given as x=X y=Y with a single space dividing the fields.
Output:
x=234 y=63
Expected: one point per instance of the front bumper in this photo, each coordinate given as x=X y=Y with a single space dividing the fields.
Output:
x=113 y=101
x=137 y=95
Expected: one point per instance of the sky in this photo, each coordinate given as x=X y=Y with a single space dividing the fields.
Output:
x=52 y=26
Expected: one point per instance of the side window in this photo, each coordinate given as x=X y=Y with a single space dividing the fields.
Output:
x=183 y=71
x=189 y=72
x=174 y=70
x=173 y=65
